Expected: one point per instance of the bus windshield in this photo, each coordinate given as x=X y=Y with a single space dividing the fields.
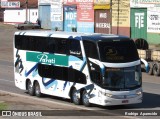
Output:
x=117 y=51
x=122 y=78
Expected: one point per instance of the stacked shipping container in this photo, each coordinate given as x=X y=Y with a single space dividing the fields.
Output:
x=133 y=18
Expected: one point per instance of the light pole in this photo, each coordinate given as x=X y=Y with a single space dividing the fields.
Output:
x=26 y=10
x=118 y=18
x=110 y=30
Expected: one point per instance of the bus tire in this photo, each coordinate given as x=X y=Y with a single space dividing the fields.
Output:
x=74 y=96
x=85 y=99
x=156 y=69
x=37 y=90
x=150 y=72
x=30 y=88
x=141 y=43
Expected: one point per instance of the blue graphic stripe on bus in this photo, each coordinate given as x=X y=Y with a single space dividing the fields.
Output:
x=70 y=37
x=35 y=67
x=78 y=38
x=50 y=83
x=19 y=62
x=146 y=65
x=103 y=70
x=83 y=65
x=53 y=82
x=73 y=58
x=65 y=84
x=35 y=72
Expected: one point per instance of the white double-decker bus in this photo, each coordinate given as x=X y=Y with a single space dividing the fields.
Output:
x=86 y=68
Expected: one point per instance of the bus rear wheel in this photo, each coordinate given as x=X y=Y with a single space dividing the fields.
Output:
x=37 y=90
x=30 y=88
x=74 y=96
x=85 y=99
x=150 y=68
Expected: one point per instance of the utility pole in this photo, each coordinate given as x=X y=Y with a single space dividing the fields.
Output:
x=118 y=18
x=110 y=30
x=26 y=10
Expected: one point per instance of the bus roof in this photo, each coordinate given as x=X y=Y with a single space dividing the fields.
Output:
x=62 y=34
x=50 y=33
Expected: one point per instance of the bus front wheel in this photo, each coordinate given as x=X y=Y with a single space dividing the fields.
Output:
x=37 y=90
x=30 y=88
x=85 y=99
x=75 y=97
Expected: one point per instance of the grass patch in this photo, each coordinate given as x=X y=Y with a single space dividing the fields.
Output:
x=3 y=106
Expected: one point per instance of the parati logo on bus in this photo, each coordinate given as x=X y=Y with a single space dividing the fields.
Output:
x=44 y=58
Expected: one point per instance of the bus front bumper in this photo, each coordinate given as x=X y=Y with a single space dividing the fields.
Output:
x=118 y=99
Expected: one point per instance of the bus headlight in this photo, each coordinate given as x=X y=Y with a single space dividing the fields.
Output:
x=139 y=92
x=106 y=94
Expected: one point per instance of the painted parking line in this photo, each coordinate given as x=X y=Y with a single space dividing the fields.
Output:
x=6 y=80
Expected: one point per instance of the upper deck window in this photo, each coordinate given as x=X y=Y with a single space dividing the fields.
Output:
x=41 y=44
x=118 y=51
x=90 y=49
x=75 y=48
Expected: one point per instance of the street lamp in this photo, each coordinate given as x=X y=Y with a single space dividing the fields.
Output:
x=118 y=18
x=110 y=30
x=26 y=10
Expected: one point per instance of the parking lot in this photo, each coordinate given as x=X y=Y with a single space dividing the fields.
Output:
x=151 y=84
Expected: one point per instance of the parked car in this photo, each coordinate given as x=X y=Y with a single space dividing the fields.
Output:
x=27 y=25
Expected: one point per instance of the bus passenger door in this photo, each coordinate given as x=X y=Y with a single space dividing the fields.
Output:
x=95 y=72
x=94 y=67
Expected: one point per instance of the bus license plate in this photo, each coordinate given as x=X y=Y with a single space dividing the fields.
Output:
x=125 y=101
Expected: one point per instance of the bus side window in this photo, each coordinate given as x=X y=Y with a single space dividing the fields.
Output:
x=35 y=43
x=32 y=43
x=75 y=48
x=25 y=43
x=60 y=45
x=18 y=42
x=90 y=49
x=51 y=46
x=40 y=44
x=61 y=73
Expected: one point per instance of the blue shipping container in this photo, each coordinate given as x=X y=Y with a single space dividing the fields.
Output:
x=44 y=16
x=70 y=18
